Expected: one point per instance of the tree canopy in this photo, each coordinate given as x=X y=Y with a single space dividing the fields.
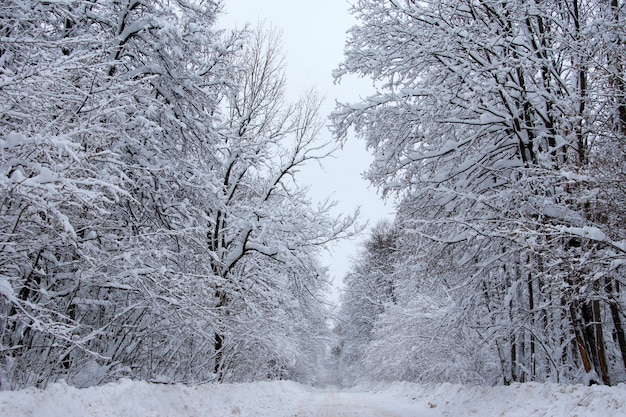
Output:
x=150 y=223
x=499 y=126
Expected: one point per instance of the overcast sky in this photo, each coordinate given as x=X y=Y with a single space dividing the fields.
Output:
x=314 y=34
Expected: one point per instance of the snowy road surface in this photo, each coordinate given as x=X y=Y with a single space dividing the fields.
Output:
x=334 y=403
x=127 y=398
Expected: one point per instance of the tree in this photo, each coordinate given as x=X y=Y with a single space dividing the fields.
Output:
x=489 y=122
x=263 y=223
x=369 y=291
x=102 y=185
x=396 y=316
x=150 y=220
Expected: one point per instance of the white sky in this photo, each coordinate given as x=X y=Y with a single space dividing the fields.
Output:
x=314 y=34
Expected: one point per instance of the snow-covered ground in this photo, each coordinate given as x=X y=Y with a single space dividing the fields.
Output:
x=289 y=399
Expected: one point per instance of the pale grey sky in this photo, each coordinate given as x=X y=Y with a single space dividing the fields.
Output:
x=314 y=34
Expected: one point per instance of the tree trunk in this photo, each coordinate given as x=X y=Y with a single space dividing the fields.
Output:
x=619 y=330
x=513 y=345
x=531 y=306
x=219 y=339
x=219 y=350
x=599 y=345
x=613 y=291
x=580 y=341
x=618 y=79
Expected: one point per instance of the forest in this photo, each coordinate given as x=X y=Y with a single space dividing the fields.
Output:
x=499 y=126
x=152 y=225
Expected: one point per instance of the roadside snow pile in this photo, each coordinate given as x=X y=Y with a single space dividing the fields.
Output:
x=287 y=399
x=529 y=399
x=135 y=398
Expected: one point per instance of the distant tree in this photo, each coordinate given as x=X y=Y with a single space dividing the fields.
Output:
x=369 y=289
x=396 y=316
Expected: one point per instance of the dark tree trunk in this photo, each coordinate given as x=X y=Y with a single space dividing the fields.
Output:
x=580 y=341
x=599 y=345
x=219 y=346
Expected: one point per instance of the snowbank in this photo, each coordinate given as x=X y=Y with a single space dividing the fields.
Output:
x=134 y=398
x=276 y=399
x=530 y=399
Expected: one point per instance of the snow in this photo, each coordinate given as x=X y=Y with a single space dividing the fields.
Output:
x=530 y=399
x=588 y=232
x=284 y=398
x=6 y=289
x=12 y=140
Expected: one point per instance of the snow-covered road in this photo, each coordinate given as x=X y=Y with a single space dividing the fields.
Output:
x=334 y=403
x=127 y=398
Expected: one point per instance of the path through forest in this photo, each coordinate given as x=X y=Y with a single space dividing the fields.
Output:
x=336 y=403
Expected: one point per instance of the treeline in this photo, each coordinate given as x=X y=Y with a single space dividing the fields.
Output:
x=500 y=128
x=150 y=225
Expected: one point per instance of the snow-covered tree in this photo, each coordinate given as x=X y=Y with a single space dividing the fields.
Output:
x=264 y=232
x=369 y=290
x=395 y=315
x=150 y=223
x=495 y=123
x=102 y=216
